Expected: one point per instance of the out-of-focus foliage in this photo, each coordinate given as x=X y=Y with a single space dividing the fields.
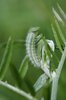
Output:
x=16 y=17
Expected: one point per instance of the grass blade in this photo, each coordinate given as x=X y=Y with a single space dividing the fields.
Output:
x=60 y=32
x=23 y=67
x=61 y=11
x=47 y=49
x=57 y=15
x=41 y=81
x=16 y=76
x=56 y=38
x=6 y=58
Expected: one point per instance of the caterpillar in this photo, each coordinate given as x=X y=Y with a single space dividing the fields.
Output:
x=31 y=49
x=31 y=40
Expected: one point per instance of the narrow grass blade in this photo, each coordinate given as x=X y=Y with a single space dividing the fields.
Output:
x=61 y=11
x=60 y=32
x=57 y=15
x=56 y=38
x=6 y=58
x=40 y=82
x=47 y=49
x=16 y=76
x=23 y=67
x=54 y=54
x=39 y=48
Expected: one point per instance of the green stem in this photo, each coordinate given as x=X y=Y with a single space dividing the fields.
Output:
x=56 y=79
x=15 y=42
x=20 y=92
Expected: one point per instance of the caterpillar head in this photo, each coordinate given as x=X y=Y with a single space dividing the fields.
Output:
x=34 y=29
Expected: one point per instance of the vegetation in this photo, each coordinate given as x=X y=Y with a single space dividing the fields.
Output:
x=32 y=60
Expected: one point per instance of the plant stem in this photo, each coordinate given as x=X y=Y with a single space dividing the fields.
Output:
x=15 y=42
x=20 y=92
x=56 y=79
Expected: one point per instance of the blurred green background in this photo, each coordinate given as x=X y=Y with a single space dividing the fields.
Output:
x=16 y=17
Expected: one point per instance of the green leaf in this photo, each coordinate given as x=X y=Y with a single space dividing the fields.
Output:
x=6 y=58
x=39 y=48
x=54 y=55
x=47 y=48
x=60 y=32
x=61 y=11
x=16 y=76
x=57 y=16
x=23 y=67
x=56 y=39
x=41 y=81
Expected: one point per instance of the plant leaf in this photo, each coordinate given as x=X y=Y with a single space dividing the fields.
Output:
x=41 y=81
x=56 y=38
x=6 y=58
x=57 y=16
x=60 y=32
x=47 y=49
x=16 y=76
x=39 y=48
x=23 y=67
x=61 y=11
